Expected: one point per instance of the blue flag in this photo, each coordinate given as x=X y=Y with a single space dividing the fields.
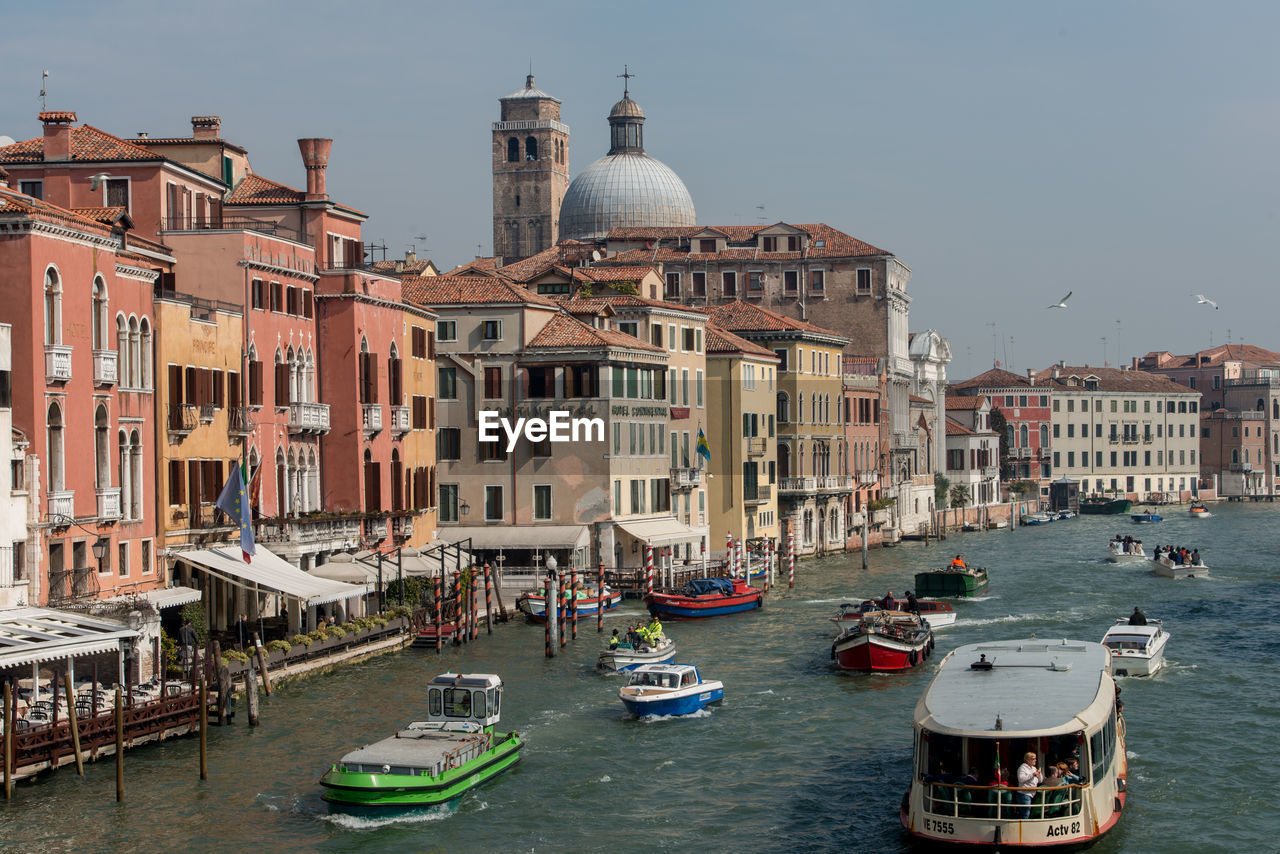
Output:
x=704 y=450
x=234 y=501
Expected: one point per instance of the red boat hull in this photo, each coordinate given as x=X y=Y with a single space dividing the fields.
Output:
x=872 y=652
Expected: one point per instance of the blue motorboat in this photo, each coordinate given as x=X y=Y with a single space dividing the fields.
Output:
x=1150 y=515
x=668 y=689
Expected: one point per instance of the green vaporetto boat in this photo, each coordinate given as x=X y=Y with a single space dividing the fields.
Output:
x=430 y=762
x=951 y=581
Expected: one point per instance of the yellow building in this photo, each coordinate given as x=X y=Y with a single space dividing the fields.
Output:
x=413 y=428
x=810 y=432
x=742 y=391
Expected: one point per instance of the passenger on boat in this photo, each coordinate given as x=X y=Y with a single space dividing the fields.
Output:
x=655 y=632
x=1195 y=558
x=957 y=563
x=633 y=636
x=912 y=604
x=1069 y=771
x=1054 y=793
x=615 y=640
x=888 y=603
x=1137 y=618
x=1029 y=777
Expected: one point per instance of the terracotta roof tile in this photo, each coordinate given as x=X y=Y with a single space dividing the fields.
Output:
x=87 y=143
x=480 y=265
x=955 y=428
x=835 y=243
x=583 y=306
x=721 y=340
x=994 y=378
x=106 y=216
x=563 y=331
x=1112 y=379
x=256 y=190
x=15 y=204
x=431 y=291
x=564 y=252
x=954 y=402
x=748 y=317
x=915 y=398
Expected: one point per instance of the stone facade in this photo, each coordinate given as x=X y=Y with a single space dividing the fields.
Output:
x=530 y=173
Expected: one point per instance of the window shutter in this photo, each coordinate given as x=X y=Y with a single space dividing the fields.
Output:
x=431 y=344
x=255 y=383
x=373 y=378
x=282 y=384
x=176 y=493
x=431 y=413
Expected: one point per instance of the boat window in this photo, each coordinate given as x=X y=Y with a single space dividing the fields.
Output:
x=479 y=704
x=457 y=703
x=433 y=702
x=940 y=752
x=495 y=698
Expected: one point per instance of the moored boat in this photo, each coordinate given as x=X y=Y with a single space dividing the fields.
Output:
x=1136 y=650
x=1166 y=568
x=1066 y=514
x=952 y=581
x=668 y=689
x=1100 y=505
x=1036 y=519
x=883 y=641
x=430 y=762
x=534 y=603
x=706 y=597
x=1198 y=510
x=989 y=705
x=627 y=656
x=939 y=614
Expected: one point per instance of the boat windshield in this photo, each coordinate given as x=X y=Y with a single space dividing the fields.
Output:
x=1125 y=642
x=457 y=702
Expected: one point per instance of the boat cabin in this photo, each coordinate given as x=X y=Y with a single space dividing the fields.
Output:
x=670 y=676
x=464 y=697
x=1123 y=637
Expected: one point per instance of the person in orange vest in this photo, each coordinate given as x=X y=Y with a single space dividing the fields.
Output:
x=958 y=563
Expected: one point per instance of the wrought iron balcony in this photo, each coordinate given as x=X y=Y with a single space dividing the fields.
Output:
x=756 y=447
x=232 y=223
x=109 y=504
x=62 y=505
x=57 y=363
x=105 y=367
x=239 y=421
x=400 y=423
x=308 y=418
x=372 y=418
x=206 y=413
x=183 y=418
x=685 y=478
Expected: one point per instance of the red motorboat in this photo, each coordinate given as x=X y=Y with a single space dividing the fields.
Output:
x=939 y=614
x=883 y=641
x=706 y=597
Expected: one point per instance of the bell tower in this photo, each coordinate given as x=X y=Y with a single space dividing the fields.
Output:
x=530 y=173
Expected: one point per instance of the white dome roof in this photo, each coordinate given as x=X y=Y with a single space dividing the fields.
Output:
x=622 y=191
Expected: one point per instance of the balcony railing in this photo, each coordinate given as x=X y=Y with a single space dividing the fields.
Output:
x=308 y=418
x=989 y=471
x=337 y=534
x=400 y=423
x=239 y=421
x=835 y=483
x=1251 y=378
x=372 y=418
x=62 y=505
x=402 y=527
x=373 y=530
x=756 y=447
x=763 y=493
x=900 y=441
x=233 y=223
x=109 y=504
x=868 y=478
x=105 y=367
x=685 y=478
x=797 y=484
x=206 y=413
x=57 y=363
x=183 y=418
x=1235 y=467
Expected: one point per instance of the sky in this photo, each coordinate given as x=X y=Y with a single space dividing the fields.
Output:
x=1007 y=152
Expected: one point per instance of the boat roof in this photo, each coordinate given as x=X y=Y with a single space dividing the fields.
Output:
x=1034 y=687
x=467 y=680
x=665 y=668
x=1122 y=629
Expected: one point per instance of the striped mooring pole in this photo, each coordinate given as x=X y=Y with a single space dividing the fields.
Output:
x=648 y=569
x=600 y=603
x=791 y=558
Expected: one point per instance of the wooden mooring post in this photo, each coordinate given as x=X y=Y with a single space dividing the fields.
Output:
x=204 y=728
x=8 y=740
x=488 y=600
x=437 y=610
x=75 y=724
x=573 y=591
x=251 y=695
x=261 y=656
x=119 y=744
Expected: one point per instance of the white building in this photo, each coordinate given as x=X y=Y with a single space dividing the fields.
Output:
x=973 y=449
x=17 y=581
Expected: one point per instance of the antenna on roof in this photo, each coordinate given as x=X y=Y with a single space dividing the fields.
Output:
x=760 y=218
x=44 y=89
x=995 y=356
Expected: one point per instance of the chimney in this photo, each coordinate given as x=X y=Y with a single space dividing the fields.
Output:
x=205 y=127
x=315 y=156
x=142 y=134
x=1057 y=371
x=1134 y=366
x=1031 y=373
x=57 y=134
x=4 y=178
x=410 y=257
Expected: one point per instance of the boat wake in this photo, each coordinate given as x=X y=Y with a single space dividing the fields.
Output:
x=653 y=719
x=358 y=823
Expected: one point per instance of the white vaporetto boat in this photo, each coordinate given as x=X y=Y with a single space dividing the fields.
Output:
x=1136 y=650
x=1118 y=551
x=988 y=706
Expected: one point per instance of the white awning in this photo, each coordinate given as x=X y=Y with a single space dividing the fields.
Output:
x=342 y=567
x=162 y=597
x=428 y=559
x=267 y=571
x=35 y=635
x=521 y=536
x=658 y=531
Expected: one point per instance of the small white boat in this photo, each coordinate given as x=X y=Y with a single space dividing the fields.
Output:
x=996 y=524
x=626 y=657
x=1198 y=511
x=1136 y=650
x=1037 y=519
x=1166 y=568
x=1066 y=514
x=1118 y=551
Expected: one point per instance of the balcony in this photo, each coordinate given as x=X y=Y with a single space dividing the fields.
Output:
x=372 y=418
x=373 y=531
x=1046 y=453
x=685 y=478
x=901 y=441
x=400 y=423
x=62 y=505
x=797 y=485
x=835 y=483
x=105 y=367
x=183 y=418
x=756 y=447
x=239 y=421
x=763 y=494
x=57 y=363
x=232 y=223
x=312 y=534
x=868 y=478
x=989 y=472
x=1235 y=467
x=109 y=504
x=401 y=527
x=206 y=413
x=309 y=418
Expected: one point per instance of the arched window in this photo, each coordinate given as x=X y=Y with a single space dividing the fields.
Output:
x=513 y=150
x=295 y=371
x=1262 y=405
x=1235 y=455
x=100 y=319
x=124 y=471
x=122 y=350
x=1022 y=434
x=57 y=473
x=309 y=377
x=397 y=481
x=101 y=449
x=530 y=148
x=313 y=481
x=784 y=407
x=513 y=238
x=282 y=487
x=52 y=307
x=292 y=492
x=135 y=488
x=135 y=354
x=147 y=380
x=395 y=385
x=372 y=483
x=784 y=460
x=833 y=526
x=1044 y=436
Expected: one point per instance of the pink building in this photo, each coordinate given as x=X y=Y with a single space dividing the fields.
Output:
x=862 y=399
x=1026 y=410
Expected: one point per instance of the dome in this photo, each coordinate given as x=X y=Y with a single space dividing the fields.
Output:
x=626 y=107
x=624 y=191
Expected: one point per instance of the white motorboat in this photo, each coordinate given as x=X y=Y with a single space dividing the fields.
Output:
x=626 y=656
x=1118 y=551
x=1136 y=650
x=1166 y=568
x=1198 y=511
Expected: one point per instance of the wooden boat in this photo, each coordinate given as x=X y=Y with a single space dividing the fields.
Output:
x=1147 y=516
x=534 y=603
x=990 y=703
x=1198 y=511
x=626 y=657
x=938 y=614
x=431 y=762
x=1116 y=552
x=951 y=581
x=1166 y=568
x=970 y=527
x=1100 y=505
x=668 y=689
x=1036 y=519
x=883 y=641
x=1136 y=650
x=706 y=597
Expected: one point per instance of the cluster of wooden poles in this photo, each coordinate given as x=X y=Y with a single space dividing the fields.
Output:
x=561 y=604
x=467 y=625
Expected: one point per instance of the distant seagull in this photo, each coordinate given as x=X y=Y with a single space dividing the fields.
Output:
x=1062 y=303
x=1201 y=299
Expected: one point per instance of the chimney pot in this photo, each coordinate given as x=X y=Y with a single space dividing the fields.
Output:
x=57 y=134
x=142 y=134
x=315 y=157
x=205 y=127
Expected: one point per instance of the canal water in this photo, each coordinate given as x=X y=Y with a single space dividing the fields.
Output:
x=800 y=757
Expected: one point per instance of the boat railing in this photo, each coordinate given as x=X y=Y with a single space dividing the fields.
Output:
x=1000 y=802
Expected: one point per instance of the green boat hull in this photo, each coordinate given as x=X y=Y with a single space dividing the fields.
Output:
x=346 y=789
x=942 y=583
x=1105 y=507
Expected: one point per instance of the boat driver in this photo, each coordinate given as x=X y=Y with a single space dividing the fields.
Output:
x=957 y=563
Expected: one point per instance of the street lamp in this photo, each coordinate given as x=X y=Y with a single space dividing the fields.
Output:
x=99 y=549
